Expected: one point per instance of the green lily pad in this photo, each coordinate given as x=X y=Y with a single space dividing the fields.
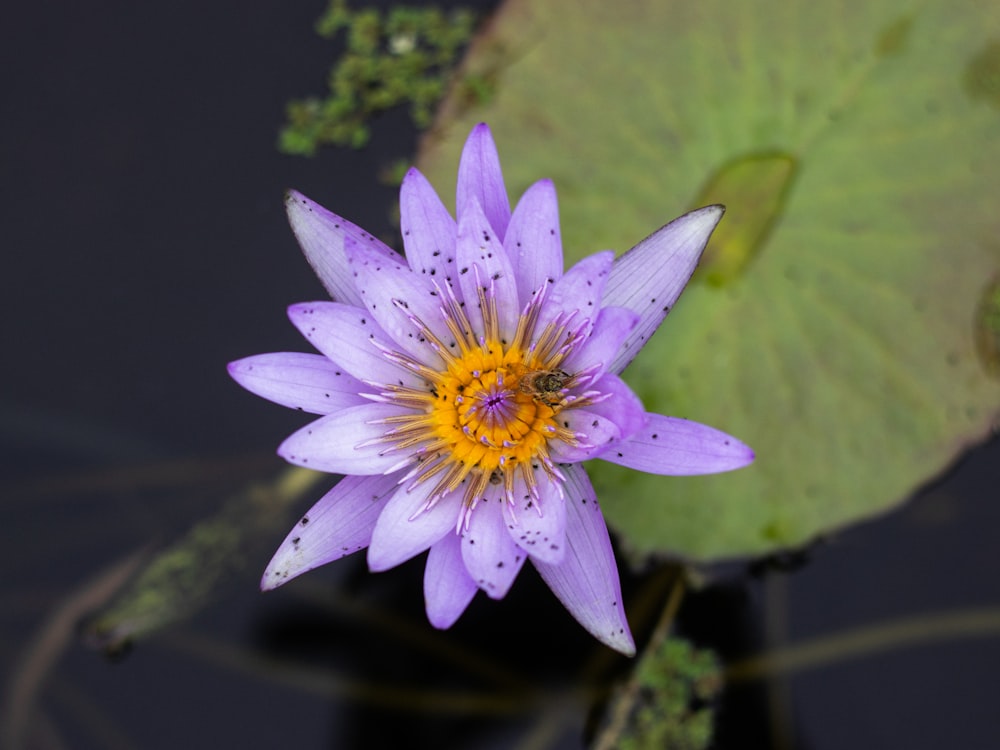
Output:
x=844 y=322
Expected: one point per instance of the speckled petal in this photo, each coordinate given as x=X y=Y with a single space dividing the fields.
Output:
x=480 y=180
x=339 y=524
x=321 y=235
x=480 y=248
x=347 y=335
x=427 y=228
x=579 y=290
x=669 y=445
x=586 y=581
x=540 y=528
x=624 y=408
x=533 y=240
x=334 y=443
x=385 y=285
x=609 y=332
x=404 y=530
x=308 y=382
x=490 y=554
x=448 y=587
x=650 y=277
x=595 y=433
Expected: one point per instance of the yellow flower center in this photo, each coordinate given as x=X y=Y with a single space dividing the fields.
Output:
x=487 y=412
x=488 y=415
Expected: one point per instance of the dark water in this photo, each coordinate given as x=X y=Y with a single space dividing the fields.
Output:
x=146 y=246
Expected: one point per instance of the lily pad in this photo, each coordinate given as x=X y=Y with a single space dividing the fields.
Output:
x=843 y=322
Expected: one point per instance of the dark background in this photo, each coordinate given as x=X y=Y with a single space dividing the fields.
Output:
x=145 y=245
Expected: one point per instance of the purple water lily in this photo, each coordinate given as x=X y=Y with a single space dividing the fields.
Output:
x=462 y=386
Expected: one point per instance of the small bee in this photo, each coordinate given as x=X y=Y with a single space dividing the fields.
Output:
x=545 y=386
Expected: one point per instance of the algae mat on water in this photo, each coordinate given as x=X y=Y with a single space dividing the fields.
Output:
x=844 y=319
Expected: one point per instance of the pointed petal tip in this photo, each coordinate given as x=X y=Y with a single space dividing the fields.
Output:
x=376 y=564
x=711 y=214
x=269 y=582
x=297 y=309
x=733 y=454
x=621 y=642
x=296 y=203
x=748 y=457
x=411 y=175
x=286 y=454
x=280 y=571
x=275 y=576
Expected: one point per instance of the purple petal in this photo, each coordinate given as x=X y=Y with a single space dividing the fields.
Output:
x=490 y=554
x=586 y=581
x=579 y=290
x=482 y=261
x=427 y=227
x=348 y=336
x=400 y=300
x=448 y=587
x=321 y=235
x=612 y=326
x=540 y=529
x=651 y=276
x=533 y=241
x=342 y=443
x=669 y=445
x=309 y=382
x=624 y=408
x=595 y=433
x=339 y=524
x=405 y=529
x=480 y=180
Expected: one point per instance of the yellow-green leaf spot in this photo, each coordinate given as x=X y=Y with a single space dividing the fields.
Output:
x=982 y=74
x=894 y=37
x=987 y=328
x=753 y=188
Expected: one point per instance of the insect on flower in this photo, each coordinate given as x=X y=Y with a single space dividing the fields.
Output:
x=439 y=380
x=547 y=386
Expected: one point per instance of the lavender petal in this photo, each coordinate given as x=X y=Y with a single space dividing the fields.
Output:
x=321 y=235
x=406 y=528
x=340 y=523
x=586 y=581
x=308 y=382
x=674 y=446
x=483 y=262
x=608 y=334
x=401 y=301
x=540 y=525
x=480 y=180
x=650 y=277
x=491 y=556
x=533 y=240
x=427 y=228
x=448 y=587
x=344 y=442
x=351 y=337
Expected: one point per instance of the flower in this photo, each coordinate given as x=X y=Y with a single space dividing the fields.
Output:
x=462 y=387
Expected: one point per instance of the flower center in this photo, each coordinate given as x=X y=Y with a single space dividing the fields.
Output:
x=488 y=415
